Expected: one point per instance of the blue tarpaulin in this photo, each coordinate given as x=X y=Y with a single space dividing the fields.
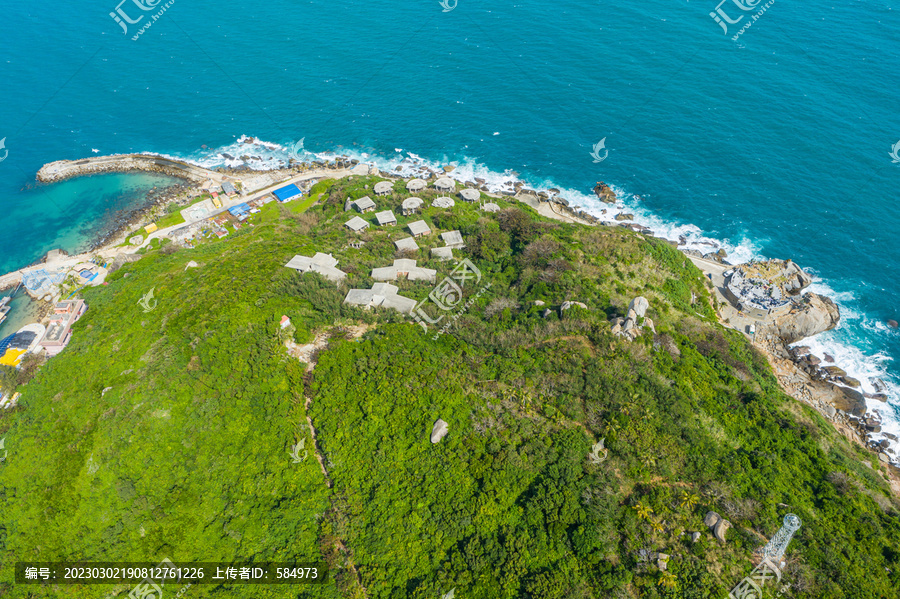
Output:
x=287 y=193
x=239 y=209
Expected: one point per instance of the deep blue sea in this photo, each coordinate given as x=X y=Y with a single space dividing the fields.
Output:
x=776 y=143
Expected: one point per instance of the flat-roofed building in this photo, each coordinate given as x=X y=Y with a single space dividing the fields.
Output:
x=386 y=217
x=491 y=207
x=356 y=224
x=416 y=185
x=364 y=204
x=324 y=264
x=470 y=195
x=383 y=295
x=453 y=239
x=419 y=228
x=444 y=253
x=59 y=329
x=404 y=267
x=445 y=184
x=443 y=202
x=407 y=243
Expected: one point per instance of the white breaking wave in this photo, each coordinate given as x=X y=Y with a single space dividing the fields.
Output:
x=262 y=155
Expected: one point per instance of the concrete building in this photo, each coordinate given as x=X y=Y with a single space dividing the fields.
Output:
x=356 y=224
x=381 y=295
x=470 y=195
x=364 y=204
x=419 y=228
x=324 y=264
x=228 y=188
x=416 y=185
x=407 y=243
x=59 y=329
x=383 y=188
x=411 y=205
x=453 y=239
x=443 y=202
x=386 y=217
x=491 y=207
x=404 y=267
x=443 y=254
x=445 y=185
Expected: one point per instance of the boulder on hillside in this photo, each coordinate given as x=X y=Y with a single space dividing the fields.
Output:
x=439 y=430
x=711 y=519
x=567 y=305
x=721 y=528
x=640 y=305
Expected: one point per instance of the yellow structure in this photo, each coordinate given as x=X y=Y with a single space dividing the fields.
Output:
x=151 y=228
x=12 y=357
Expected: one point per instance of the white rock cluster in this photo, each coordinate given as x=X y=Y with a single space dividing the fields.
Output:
x=633 y=324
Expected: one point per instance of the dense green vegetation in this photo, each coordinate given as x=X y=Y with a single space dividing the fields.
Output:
x=168 y=433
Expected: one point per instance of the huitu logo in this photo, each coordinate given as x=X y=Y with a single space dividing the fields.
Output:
x=600 y=145
x=721 y=17
x=3 y=147
x=595 y=453
x=895 y=152
x=296 y=449
x=145 y=5
x=296 y=150
x=3 y=447
x=145 y=302
x=447 y=6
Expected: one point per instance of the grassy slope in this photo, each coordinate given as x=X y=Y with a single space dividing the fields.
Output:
x=192 y=439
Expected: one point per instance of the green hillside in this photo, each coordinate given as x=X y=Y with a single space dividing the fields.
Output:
x=168 y=433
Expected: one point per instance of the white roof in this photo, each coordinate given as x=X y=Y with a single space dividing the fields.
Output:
x=445 y=184
x=407 y=243
x=412 y=203
x=444 y=253
x=444 y=202
x=381 y=294
x=491 y=207
x=453 y=239
x=420 y=227
x=383 y=187
x=324 y=264
x=470 y=195
x=407 y=266
x=385 y=217
x=364 y=203
x=416 y=185
x=356 y=224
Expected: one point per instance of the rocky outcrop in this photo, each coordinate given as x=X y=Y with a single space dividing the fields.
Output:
x=813 y=315
x=439 y=430
x=605 y=193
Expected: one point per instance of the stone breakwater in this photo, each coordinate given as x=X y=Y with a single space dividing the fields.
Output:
x=119 y=163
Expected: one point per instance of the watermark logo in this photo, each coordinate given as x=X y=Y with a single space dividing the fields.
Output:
x=297 y=150
x=447 y=6
x=752 y=586
x=3 y=447
x=600 y=145
x=124 y=19
x=296 y=449
x=145 y=302
x=450 y=594
x=594 y=456
x=149 y=589
x=895 y=151
x=724 y=18
x=6 y=152
x=448 y=296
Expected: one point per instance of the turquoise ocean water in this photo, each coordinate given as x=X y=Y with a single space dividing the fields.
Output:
x=776 y=144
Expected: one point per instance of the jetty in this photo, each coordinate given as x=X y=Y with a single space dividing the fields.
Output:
x=121 y=163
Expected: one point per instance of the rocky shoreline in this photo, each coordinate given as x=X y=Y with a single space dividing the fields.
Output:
x=801 y=375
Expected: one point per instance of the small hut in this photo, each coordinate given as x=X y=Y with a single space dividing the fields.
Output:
x=411 y=205
x=419 y=228
x=445 y=185
x=383 y=188
x=491 y=207
x=443 y=202
x=470 y=195
x=416 y=185
x=386 y=217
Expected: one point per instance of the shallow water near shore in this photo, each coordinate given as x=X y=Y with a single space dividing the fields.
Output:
x=776 y=144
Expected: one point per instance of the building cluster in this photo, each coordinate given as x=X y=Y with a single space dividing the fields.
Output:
x=757 y=297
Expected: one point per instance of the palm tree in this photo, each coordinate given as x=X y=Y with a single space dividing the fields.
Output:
x=689 y=501
x=667 y=580
x=656 y=525
x=643 y=511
